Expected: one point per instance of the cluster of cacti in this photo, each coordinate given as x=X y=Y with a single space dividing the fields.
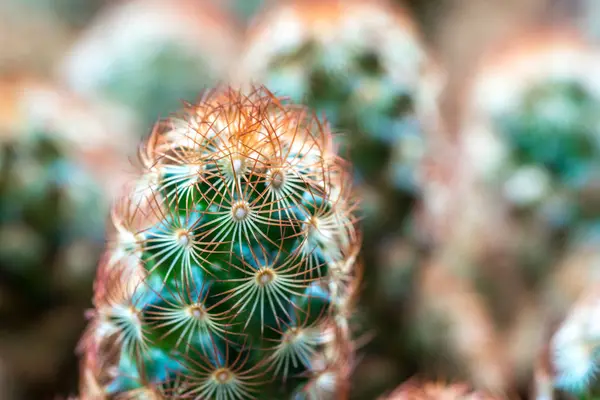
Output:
x=232 y=267
x=547 y=130
x=54 y=197
x=151 y=56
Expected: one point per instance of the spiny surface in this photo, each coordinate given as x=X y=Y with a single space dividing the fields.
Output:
x=232 y=266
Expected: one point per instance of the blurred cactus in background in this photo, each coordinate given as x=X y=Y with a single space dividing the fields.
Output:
x=534 y=143
x=362 y=64
x=231 y=273
x=541 y=99
x=56 y=161
x=151 y=55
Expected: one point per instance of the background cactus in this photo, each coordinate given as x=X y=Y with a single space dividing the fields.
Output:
x=364 y=66
x=538 y=128
x=54 y=196
x=547 y=126
x=151 y=55
x=231 y=271
x=575 y=346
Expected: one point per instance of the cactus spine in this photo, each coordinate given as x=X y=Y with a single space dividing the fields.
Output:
x=232 y=267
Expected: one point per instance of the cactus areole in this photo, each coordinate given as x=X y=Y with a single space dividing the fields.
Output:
x=231 y=270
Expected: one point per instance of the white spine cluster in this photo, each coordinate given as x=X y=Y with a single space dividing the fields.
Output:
x=575 y=347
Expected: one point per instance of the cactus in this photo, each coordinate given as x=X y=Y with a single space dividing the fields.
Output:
x=362 y=65
x=57 y=160
x=545 y=124
x=51 y=199
x=527 y=166
x=532 y=142
x=151 y=55
x=232 y=267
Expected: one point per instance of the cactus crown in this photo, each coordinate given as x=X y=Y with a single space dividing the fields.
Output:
x=232 y=264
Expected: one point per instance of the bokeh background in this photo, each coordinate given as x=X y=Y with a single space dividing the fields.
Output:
x=474 y=127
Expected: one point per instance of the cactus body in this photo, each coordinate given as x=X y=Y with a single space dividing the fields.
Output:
x=363 y=67
x=532 y=144
x=575 y=346
x=231 y=270
x=543 y=116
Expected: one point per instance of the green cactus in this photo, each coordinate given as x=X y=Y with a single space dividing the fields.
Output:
x=46 y=202
x=151 y=56
x=232 y=269
x=58 y=164
x=554 y=137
